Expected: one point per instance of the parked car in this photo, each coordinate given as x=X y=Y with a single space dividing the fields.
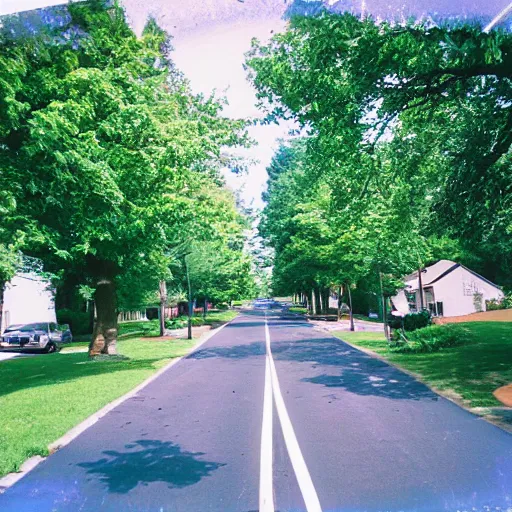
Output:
x=44 y=336
x=261 y=304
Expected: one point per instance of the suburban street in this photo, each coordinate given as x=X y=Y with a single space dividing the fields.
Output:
x=316 y=425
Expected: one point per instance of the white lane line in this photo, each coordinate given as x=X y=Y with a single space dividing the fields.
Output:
x=292 y=445
x=266 y=484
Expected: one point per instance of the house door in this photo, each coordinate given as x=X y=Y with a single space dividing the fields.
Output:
x=430 y=301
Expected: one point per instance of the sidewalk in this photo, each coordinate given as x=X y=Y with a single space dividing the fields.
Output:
x=344 y=325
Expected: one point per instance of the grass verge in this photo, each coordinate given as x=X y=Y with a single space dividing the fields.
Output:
x=367 y=318
x=297 y=309
x=43 y=397
x=472 y=370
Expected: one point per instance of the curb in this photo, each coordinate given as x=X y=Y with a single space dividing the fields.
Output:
x=475 y=411
x=11 y=478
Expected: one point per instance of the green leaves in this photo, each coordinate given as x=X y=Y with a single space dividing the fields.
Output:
x=410 y=128
x=107 y=158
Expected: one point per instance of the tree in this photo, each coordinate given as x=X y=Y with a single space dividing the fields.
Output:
x=106 y=152
x=409 y=131
x=440 y=94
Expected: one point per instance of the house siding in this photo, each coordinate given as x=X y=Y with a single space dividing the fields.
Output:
x=450 y=291
x=27 y=298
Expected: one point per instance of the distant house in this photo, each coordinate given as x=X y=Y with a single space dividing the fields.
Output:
x=27 y=298
x=449 y=289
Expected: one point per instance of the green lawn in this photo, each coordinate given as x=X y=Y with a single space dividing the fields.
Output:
x=473 y=370
x=298 y=309
x=42 y=397
x=218 y=317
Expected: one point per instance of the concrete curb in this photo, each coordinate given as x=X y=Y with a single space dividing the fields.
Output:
x=480 y=413
x=11 y=478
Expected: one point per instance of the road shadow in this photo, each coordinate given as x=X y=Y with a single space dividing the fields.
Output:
x=351 y=370
x=148 y=461
x=396 y=385
x=256 y=348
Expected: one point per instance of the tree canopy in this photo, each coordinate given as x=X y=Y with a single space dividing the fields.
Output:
x=108 y=160
x=406 y=153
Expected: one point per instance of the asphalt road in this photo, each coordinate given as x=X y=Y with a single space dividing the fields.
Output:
x=341 y=431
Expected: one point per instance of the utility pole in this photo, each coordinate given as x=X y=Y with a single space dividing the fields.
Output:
x=420 y=284
x=163 y=303
x=189 y=301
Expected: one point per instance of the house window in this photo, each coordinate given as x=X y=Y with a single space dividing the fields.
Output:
x=469 y=288
x=411 y=300
x=440 y=310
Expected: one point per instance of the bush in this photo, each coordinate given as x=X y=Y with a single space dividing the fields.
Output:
x=419 y=320
x=433 y=338
x=411 y=322
x=175 y=323
x=79 y=321
x=495 y=304
x=146 y=327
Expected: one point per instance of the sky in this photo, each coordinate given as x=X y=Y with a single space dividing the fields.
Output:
x=211 y=37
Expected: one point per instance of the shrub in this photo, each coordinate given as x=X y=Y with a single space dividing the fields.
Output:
x=79 y=321
x=495 y=304
x=477 y=302
x=395 y=322
x=175 y=323
x=410 y=322
x=433 y=338
x=147 y=327
x=419 y=320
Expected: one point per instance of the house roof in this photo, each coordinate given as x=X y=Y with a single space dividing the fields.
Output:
x=436 y=272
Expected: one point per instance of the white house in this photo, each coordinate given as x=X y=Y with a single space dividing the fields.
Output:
x=27 y=298
x=449 y=289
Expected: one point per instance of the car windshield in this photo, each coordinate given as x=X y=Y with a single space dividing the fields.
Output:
x=28 y=327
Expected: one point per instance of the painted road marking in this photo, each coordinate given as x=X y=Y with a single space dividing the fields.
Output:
x=292 y=445
x=266 y=457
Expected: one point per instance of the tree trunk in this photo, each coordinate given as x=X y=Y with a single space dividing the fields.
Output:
x=104 y=336
x=313 y=301
x=340 y=302
x=352 y=328
x=323 y=301
x=163 y=303
x=327 y=297
x=384 y=308
x=205 y=307
x=318 y=297
x=386 y=326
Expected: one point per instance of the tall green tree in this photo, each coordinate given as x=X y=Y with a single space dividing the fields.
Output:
x=409 y=128
x=106 y=153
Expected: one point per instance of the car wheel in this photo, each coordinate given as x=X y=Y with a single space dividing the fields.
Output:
x=50 y=348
